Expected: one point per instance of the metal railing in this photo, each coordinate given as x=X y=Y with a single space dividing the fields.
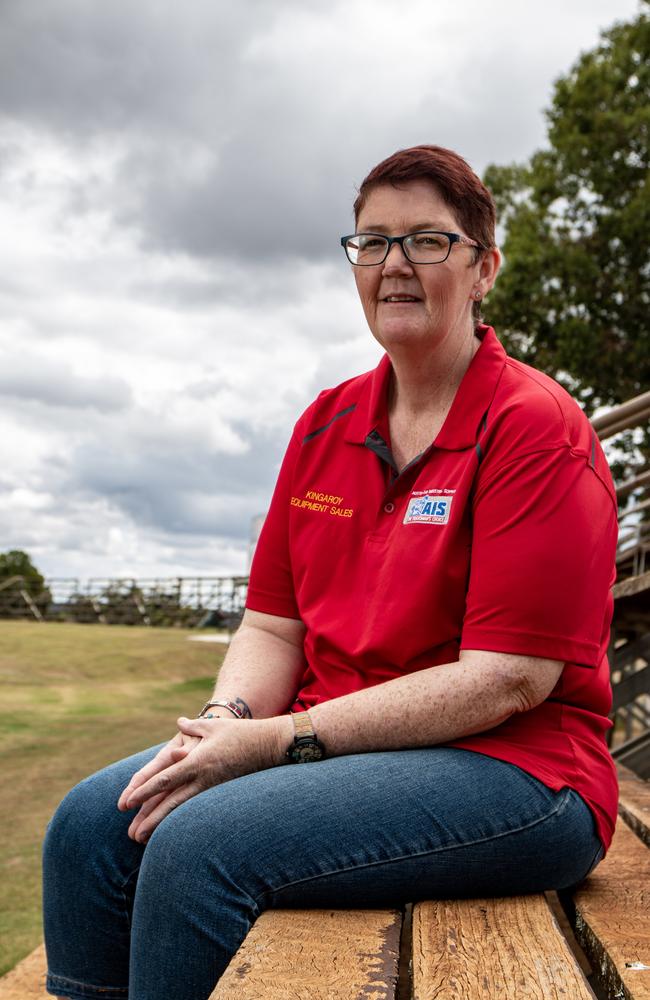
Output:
x=629 y=652
x=188 y=601
x=633 y=413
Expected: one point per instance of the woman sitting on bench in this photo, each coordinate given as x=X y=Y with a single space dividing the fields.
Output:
x=427 y=625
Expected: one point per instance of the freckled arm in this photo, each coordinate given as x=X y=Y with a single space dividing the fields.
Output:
x=436 y=705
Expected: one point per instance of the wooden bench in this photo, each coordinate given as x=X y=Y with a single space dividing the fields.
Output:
x=519 y=947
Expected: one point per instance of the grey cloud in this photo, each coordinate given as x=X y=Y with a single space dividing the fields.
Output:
x=227 y=151
x=177 y=487
x=6 y=484
x=55 y=386
x=243 y=284
x=85 y=68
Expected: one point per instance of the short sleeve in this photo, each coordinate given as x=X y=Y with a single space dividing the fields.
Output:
x=543 y=558
x=270 y=587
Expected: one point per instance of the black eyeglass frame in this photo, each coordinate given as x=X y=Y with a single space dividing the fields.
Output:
x=452 y=237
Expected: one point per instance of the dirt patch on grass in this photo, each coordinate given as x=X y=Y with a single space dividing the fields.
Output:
x=27 y=980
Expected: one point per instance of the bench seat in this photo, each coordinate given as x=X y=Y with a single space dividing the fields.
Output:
x=507 y=948
x=316 y=955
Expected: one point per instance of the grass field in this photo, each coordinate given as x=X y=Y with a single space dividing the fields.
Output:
x=73 y=698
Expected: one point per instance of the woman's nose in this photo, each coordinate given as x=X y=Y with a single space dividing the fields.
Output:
x=396 y=262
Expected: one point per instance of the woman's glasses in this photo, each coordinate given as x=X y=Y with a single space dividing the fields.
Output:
x=430 y=247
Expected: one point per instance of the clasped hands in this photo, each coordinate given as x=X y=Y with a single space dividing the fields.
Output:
x=204 y=752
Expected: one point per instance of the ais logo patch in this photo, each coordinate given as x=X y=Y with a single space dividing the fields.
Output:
x=428 y=510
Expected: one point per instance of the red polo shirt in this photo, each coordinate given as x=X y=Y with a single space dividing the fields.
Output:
x=500 y=536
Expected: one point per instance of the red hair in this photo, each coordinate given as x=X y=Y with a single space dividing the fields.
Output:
x=455 y=180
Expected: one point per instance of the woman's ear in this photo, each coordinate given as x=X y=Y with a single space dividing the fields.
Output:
x=488 y=268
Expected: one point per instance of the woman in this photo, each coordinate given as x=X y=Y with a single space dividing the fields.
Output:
x=426 y=626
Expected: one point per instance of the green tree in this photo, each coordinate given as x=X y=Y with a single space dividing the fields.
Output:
x=573 y=297
x=17 y=563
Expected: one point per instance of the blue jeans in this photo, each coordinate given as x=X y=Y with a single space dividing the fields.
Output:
x=367 y=830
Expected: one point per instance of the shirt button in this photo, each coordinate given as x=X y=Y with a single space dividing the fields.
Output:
x=389 y=507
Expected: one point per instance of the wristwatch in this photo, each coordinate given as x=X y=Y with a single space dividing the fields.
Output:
x=305 y=748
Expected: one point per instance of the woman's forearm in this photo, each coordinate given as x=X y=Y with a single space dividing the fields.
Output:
x=431 y=706
x=262 y=667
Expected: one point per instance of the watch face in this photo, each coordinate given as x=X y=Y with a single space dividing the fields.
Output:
x=305 y=750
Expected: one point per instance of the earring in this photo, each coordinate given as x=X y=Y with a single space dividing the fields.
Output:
x=477 y=295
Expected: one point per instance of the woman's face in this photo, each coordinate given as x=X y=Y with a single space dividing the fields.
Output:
x=440 y=296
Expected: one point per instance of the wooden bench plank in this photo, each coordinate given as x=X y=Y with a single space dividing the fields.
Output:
x=507 y=948
x=632 y=585
x=27 y=980
x=634 y=804
x=316 y=955
x=610 y=913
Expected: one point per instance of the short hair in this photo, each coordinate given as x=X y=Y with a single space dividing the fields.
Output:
x=457 y=183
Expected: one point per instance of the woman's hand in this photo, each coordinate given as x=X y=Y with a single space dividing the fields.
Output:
x=205 y=752
x=176 y=750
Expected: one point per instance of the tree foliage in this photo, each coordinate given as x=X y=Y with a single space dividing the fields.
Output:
x=574 y=294
x=17 y=563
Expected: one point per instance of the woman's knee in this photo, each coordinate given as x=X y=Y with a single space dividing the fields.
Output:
x=197 y=872
x=205 y=841
x=88 y=815
x=79 y=822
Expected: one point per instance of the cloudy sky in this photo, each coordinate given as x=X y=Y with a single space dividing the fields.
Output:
x=174 y=179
